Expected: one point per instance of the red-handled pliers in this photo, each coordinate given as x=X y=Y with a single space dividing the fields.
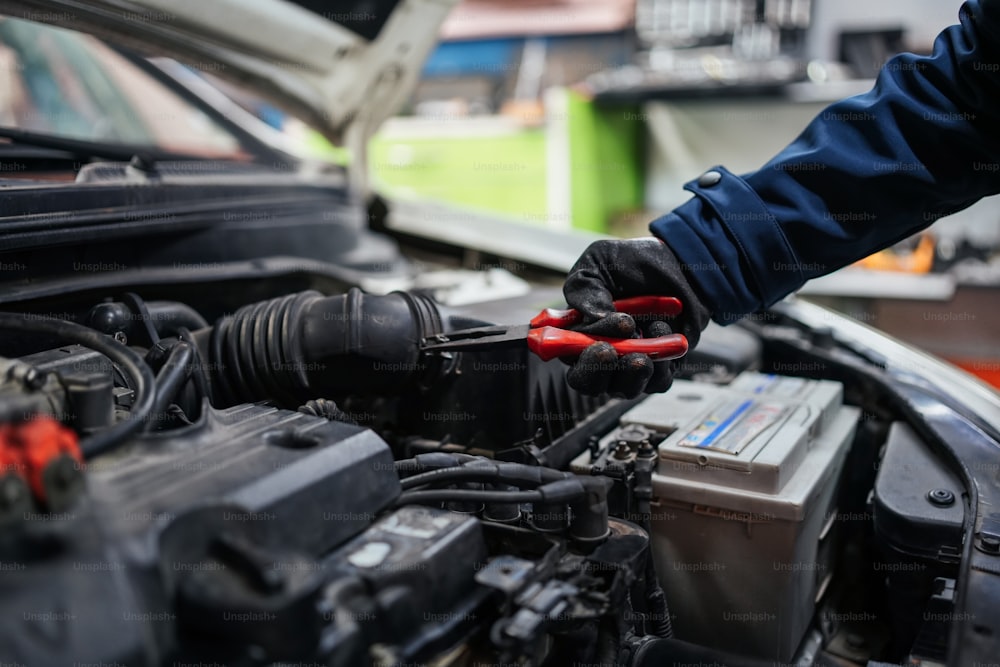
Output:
x=548 y=337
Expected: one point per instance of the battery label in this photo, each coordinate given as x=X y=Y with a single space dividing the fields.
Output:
x=733 y=426
x=780 y=386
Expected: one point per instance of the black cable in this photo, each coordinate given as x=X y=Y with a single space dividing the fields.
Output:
x=135 y=369
x=404 y=466
x=447 y=495
x=138 y=307
x=608 y=643
x=170 y=317
x=202 y=379
x=220 y=389
x=656 y=600
x=446 y=475
x=511 y=473
x=172 y=376
x=435 y=461
x=560 y=492
x=658 y=620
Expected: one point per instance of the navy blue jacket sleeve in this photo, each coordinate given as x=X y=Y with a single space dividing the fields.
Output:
x=867 y=172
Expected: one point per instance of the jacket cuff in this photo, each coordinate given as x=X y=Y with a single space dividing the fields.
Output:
x=730 y=246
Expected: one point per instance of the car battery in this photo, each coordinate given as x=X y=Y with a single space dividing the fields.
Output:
x=744 y=504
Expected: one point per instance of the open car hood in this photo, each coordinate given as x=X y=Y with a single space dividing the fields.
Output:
x=342 y=66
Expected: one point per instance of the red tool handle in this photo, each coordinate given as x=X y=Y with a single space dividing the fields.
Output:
x=666 y=306
x=551 y=342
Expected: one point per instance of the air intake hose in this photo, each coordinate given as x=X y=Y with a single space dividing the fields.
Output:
x=304 y=345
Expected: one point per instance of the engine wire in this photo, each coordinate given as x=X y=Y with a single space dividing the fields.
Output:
x=132 y=365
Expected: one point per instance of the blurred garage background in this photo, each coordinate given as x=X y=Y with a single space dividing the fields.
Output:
x=591 y=114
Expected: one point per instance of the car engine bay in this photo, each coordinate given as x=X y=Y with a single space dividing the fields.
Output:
x=226 y=437
x=293 y=481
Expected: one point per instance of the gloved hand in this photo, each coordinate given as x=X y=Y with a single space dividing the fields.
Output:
x=616 y=269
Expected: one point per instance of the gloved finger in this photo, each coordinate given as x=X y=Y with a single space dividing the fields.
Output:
x=615 y=325
x=679 y=324
x=662 y=378
x=662 y=328
x=586 y=290
x=634 y=371
x=588 y=295
x=655 y=328
x=593 y=369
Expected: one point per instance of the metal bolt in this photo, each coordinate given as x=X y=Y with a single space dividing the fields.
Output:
x=941 y=497
x=35 y=379
x=646 y=450
x=10 y=493
x=989 y=544
x=622 y=450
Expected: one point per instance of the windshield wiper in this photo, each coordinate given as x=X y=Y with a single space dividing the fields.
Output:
x=88 y=150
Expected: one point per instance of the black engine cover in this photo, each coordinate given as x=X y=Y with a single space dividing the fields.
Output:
x=251 y=493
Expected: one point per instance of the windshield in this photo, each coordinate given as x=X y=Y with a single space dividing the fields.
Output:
x=66 y=84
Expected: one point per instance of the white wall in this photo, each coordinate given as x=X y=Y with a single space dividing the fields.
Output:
x=688 y=137
x=921 y=20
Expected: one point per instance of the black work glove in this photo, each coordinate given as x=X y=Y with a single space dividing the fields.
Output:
x=616 y=269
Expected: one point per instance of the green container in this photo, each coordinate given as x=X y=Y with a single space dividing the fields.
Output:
x=581 y=170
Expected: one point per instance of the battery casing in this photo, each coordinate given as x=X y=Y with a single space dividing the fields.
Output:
x=744 y=505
